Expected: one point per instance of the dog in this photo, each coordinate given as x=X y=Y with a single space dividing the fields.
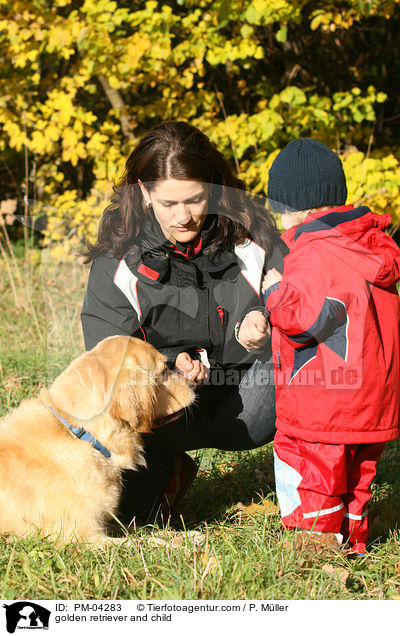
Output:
x=62 y=453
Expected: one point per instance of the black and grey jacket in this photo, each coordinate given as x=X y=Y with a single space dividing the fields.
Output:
x=178 y=297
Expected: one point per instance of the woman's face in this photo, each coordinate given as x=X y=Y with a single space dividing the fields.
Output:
x=179 y=206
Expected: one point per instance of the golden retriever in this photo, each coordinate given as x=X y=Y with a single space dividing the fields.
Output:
x=61 y=485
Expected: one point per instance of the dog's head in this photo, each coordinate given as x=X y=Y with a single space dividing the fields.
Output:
x=145 y=386
x=122 y=377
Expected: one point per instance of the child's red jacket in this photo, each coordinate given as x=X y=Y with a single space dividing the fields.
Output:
x=335 y=341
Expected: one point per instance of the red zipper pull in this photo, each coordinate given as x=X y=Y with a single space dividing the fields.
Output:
x=221 y=314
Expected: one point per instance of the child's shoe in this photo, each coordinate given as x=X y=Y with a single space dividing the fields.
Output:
x=316 y=542
x=357 y=549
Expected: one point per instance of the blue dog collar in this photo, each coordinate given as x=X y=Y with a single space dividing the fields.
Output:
x=80 y=433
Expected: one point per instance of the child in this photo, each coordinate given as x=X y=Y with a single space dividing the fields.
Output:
x=335 y=340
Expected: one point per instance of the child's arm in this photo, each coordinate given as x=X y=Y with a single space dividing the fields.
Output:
x=302 y=317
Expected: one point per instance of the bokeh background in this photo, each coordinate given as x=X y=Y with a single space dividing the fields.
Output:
x=81 y=81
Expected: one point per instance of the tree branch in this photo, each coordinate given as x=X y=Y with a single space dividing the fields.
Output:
x=116 y=101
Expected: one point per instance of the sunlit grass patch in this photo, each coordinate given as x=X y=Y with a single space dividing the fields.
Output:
x=228 y=543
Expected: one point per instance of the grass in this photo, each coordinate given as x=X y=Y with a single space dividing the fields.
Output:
x=216 y=551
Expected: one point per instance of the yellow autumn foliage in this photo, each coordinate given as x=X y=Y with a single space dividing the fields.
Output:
x=82 y=81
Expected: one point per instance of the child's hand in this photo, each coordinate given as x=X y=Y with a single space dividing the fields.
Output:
x=270 y=278
x=254 y=331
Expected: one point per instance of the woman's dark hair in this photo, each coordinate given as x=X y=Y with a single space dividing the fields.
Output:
x=178 y=150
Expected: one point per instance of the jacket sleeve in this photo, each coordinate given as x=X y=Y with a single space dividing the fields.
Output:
x=273 y=259
x=300 y=309
x=106 y=311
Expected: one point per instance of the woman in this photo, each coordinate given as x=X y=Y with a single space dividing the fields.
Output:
x=176 y=264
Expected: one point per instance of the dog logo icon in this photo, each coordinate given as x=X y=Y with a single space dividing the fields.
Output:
x=26 y=615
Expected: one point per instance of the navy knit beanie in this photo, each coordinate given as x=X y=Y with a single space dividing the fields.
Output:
x=305 y=175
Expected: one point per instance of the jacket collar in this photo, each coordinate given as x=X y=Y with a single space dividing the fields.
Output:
x=149 y=257
x=151 y=238
x=343 y=218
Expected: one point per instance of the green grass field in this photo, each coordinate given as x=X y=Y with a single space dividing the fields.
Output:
x=217 y=550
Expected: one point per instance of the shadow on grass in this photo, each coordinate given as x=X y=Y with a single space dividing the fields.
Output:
x=384 y=510
x=248 y=477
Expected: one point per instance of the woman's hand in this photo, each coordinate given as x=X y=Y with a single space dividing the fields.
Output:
x=193 y=370
x=254 y=331
x=270 y=278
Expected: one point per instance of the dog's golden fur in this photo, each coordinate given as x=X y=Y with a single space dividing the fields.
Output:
x=52 y=481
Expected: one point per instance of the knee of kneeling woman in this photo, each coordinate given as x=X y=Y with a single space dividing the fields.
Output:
x=260 y=422
x=262 y=434
x=260 y=430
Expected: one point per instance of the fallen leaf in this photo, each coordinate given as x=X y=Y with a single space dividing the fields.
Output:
x=340 y=573
x=312 y=543
x=254 y=509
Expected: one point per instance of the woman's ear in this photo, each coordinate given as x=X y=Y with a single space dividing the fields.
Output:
x=145 y=193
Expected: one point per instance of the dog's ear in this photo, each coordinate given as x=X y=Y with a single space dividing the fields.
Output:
x=82 y=390
x=133 y=400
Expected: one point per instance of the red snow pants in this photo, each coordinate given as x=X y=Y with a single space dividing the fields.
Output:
x=326 y=487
